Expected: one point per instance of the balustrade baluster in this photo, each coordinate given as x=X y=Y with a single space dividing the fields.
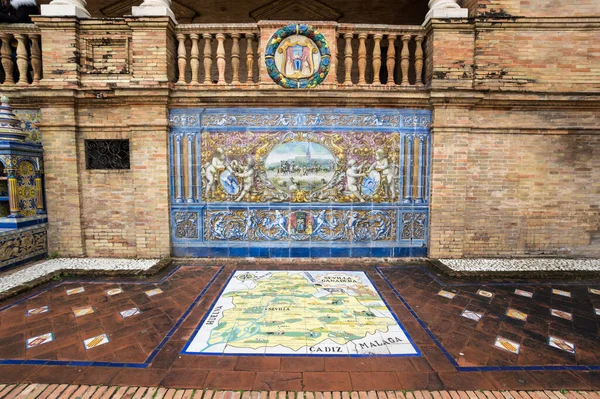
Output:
x=250 y=57
x=362 y=58
x=419 y=60
x=377 y=58
x=404 y=59
x=235 y=58
x=207 y=58
x=181 y=58
x=22 y=59
x=391 y=60
x=348 y=58
x=195 y=58
x=36 y=58
x=221 y=58
x=7 y=61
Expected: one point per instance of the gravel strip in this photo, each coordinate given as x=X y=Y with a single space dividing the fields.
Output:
x=512 y=265
x=22 y=276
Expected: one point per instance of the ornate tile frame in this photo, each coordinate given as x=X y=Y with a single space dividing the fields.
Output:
x=190 y=209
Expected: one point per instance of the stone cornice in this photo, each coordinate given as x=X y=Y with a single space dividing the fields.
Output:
x=197 y=95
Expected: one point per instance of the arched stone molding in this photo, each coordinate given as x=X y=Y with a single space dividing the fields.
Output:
x=154 y=8
x=66 y=8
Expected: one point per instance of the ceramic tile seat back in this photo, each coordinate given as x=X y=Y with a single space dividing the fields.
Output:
x=299 y=182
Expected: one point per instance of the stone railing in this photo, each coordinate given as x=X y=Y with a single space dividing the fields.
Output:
x=380 y=55
x=21 y=46
x=368 y=56
x=217 y=54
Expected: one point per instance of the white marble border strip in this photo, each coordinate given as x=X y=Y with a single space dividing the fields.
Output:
x=12 y=279
x=512 y=265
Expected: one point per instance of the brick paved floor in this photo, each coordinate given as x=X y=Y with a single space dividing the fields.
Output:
x=511 y=340
x=51 y=391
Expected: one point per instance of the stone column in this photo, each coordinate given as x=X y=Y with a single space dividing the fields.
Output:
x=66 y=8
x=445 y=9
x=154 y=8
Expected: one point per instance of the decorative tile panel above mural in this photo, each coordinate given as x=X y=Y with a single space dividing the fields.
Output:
x=299 y=182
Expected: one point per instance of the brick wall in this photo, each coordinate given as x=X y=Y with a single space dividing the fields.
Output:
x=125 y=212
x=517 y=57
x=515 y=195
x=536 y=8
x=63 y=191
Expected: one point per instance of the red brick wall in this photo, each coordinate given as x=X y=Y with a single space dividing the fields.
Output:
x=537 y=8
x=521 y=58
x=515 y=183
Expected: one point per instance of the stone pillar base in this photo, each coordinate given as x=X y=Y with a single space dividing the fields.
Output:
x=444 y=13
x=153 y=11
x=64 y=10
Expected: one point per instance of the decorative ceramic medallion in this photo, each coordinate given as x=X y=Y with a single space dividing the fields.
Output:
x=471 y=315
x=507 y=345
x=39 y=340
x=446 y=294
x=526 y=294
x=297 y=57
x=561 y=344
x=36 y=311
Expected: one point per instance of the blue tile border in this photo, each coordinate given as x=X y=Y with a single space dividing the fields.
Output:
x=443 y=349
x=209 y=311
x=148 y=360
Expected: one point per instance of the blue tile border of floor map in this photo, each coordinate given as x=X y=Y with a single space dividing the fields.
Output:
x=447 y=354
x=183 y=351
x=80 y=363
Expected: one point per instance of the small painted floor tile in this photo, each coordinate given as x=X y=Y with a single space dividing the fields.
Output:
x=154 y=292
x=507 y=345
x=561 y=293
x=77 y=290
x=561 y=314
x=516 y=314
x=447 y=294
x=471 y=315
x=129 y=312
x=561 y=344
x=40 y=340
x=96 y=341
x=485 y=294
x=36 y=311
x=82 y=311
x=114 y=291
x=526 y=294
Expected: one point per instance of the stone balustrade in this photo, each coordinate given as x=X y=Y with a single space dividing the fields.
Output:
x=377 y=56
x=20 y=54
x=217 y=54
x=380 y=55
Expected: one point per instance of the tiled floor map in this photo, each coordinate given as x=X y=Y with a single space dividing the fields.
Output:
x=300 y=313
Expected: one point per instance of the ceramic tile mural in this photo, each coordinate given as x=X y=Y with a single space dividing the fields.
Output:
x=299 y=182
x=30 y=120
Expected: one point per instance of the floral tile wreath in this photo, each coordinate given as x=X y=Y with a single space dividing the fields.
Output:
x=303 y=83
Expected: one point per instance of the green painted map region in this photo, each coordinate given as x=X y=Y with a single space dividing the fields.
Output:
x=300 y=312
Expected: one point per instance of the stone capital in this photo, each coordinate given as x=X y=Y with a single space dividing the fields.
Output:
x=65 y=8
x=154 y=8
x=445 y=9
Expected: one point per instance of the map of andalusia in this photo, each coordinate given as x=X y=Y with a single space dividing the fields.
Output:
x=302 y=313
